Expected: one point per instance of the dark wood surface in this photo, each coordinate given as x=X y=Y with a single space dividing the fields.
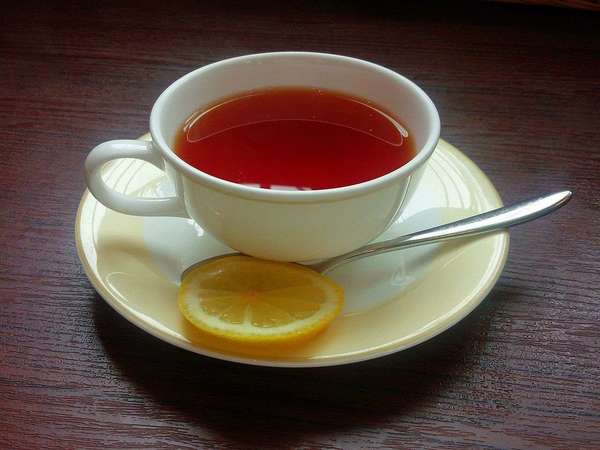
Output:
x=518 y=90
x=593 y=5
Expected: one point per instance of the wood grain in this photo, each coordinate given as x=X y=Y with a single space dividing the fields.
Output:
x=518 y=91
x=593 y=5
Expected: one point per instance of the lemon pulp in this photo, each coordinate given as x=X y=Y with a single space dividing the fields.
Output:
x=250 y=300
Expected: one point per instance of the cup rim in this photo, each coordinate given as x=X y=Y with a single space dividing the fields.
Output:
x=257 y=193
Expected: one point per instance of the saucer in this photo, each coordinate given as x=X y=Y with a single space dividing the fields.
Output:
x=392 y=301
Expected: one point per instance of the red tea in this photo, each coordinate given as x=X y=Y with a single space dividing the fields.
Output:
x=295 y=139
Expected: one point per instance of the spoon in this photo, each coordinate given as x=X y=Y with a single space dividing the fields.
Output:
x=487 y=222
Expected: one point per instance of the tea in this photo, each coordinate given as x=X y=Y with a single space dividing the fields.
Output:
x=294 y=139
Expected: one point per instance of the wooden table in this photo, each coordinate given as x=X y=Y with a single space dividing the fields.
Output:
x=518 y=91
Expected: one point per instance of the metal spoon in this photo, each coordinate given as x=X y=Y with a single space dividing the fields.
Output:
x=481 y=223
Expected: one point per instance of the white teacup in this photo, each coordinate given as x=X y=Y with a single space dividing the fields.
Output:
x=271 y=224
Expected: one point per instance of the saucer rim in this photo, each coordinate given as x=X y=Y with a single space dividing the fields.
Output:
x=501 y=250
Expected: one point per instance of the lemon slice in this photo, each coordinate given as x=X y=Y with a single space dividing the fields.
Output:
x=255 y=301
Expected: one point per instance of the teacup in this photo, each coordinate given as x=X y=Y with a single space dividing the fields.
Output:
x=271 y=224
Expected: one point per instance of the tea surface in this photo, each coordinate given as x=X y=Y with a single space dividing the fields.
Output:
x=294 y=139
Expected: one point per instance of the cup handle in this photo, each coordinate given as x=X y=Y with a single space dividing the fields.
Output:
x=136 y=206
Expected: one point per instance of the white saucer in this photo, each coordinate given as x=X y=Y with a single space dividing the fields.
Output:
x=393 y=301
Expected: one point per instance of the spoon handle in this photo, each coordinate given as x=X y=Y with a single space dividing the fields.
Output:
x=482 y=223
